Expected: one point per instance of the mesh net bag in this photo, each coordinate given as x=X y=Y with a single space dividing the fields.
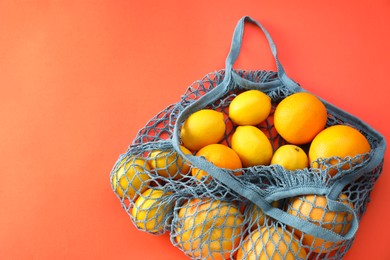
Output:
x=265 y=211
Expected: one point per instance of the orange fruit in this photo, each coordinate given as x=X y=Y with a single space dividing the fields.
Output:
x=201 y=128
x=257 y=215
x=151 y=210
x=130 y=179
x=250 y=107
x=209 y=229
x=314 y=208
x=252 y=146
x=338 y=140
x=300 y=117
x=291 y=157
x=169 y=164
x=270 y=243
x=220 y=155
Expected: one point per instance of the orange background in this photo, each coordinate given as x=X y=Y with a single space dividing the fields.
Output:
x=79 y=78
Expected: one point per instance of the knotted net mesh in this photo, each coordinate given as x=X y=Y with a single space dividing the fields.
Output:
x=207 y=219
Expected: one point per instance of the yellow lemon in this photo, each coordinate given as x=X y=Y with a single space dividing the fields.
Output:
x=131 y=177
x=151 y=210
x=203 y=127
x=209 y=229
x=270 y=243
x=169 y=164
x=291 y=157
x=252 y=146
x=250 y=108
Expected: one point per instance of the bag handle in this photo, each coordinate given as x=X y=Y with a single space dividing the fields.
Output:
x=236 y=47
x=229 y=76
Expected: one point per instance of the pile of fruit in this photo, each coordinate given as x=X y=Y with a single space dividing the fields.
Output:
x=209 y=228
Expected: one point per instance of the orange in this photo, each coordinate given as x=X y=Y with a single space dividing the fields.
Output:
x=130 y=179
x=151 y=210
x=252 y=146
x=338 y=140
x=291 y=157
x=250 y=107
x=257 y=215
x=169 y=164
x=209 y=229
x=314 y=208
x=300 y=117
x=220 y=155
x=270 y=243
x=203 y=127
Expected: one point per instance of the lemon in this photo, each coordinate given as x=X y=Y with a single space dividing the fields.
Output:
x=271 y=243
x=131 y=177
x=252 y=146
x=250 y=108
x=202 y=128
x=209 y=228
x=169 y=164
x=291 y=157
x=151 y=210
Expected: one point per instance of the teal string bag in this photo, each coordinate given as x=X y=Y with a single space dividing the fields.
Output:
x=263 y=213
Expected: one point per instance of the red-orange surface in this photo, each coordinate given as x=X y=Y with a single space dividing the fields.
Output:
x=79 y=78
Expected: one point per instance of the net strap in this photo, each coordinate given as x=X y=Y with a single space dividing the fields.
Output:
x=236 y=47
